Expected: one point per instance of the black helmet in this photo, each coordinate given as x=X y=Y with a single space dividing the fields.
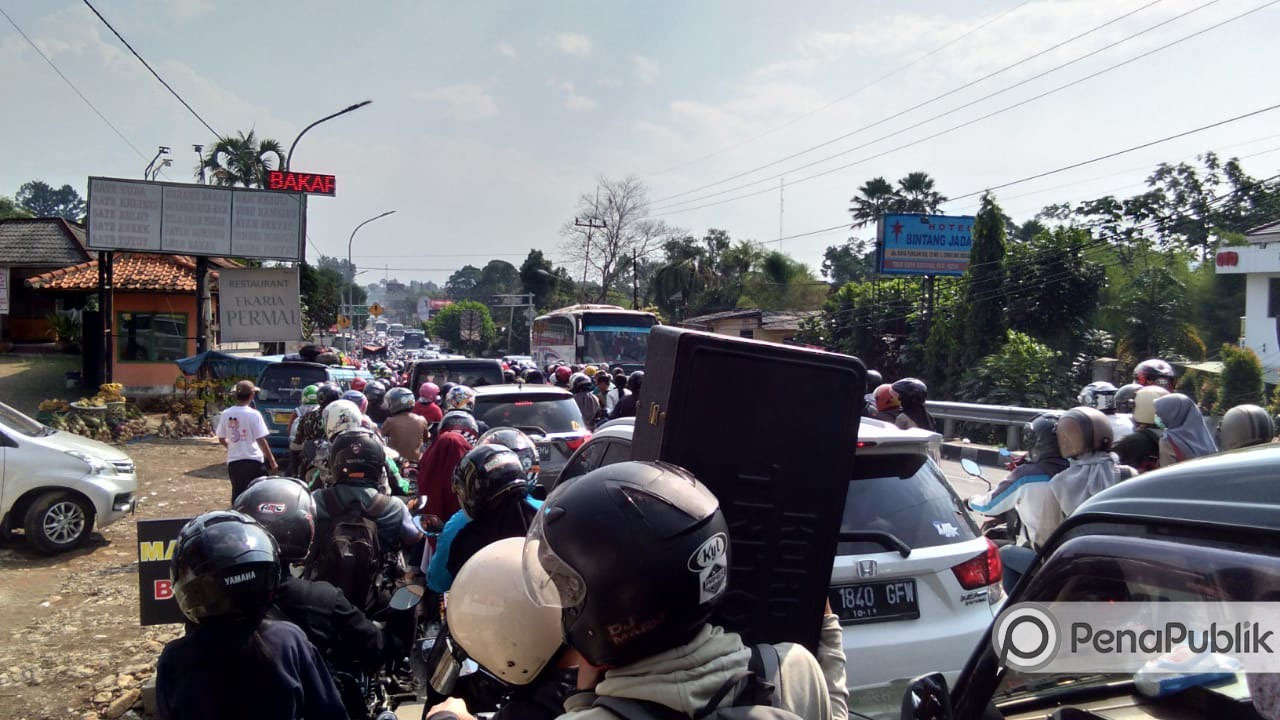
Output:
x=375 y=392
x=636 y=554
x=1040 y=437
x=874 y=380
x=327 y=392
x=461 y=421
x=356 y=457
x=398 y=400
x=284 y=507
x=1154 y=372
x=534 y=377
x=225 y=566
x=517 y=442
x=580 y=383
x=1245 y=425
x=635 y=380
x=911 y=392
x=486 y=474
x=1126 y=396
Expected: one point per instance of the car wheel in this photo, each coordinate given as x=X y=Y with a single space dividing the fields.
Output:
x=58 y=521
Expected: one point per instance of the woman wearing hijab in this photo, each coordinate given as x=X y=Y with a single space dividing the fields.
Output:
x=1185 y=434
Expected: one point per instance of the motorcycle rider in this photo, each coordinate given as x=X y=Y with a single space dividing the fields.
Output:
x=1085 y=438
x=1026 y=489
x=912 y=394
x=233 y=663
x=494 y=494
x=1154 y=372
x=406 y=432
x=1245 y=426
x=562 y=375
x=612 y=550
x=311 y=426
x=338 y=629
x=603 y=385
x=358 y=462
x=458 y=432
x=1185 y=434
x=357 y=398
x=888 y=406
x=1125 y=397
x=588 y=404
x=626 y=407
x=376 y=393
x=1140 y=449
x=309 y=402
x=1101 y=396
x=519 y=443
x=874 y=380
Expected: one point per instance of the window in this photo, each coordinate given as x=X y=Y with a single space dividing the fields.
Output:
x=749 y=334
x=284 y=383
x=542 y=415
x=587 y=460
x=906 y=495
x=1273 y=297
x=151 y=337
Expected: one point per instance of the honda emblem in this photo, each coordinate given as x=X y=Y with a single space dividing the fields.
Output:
x=866 y=568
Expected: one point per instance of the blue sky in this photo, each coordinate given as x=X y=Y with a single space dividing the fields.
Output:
x=489 y=119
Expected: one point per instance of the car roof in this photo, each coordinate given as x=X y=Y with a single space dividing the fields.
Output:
x=875 y=433
x=1237 y=489
x=518 y=389
x=455 y=361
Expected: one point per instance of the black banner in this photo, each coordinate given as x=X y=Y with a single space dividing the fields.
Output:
x=156 y=540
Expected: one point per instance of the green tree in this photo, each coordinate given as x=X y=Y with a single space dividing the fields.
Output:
x=874 y=321
x=875 y=198
x=849 y=262
x=1053 y=288
x=461 y=285
x=1241 y=379
x=916 y=194
x=538 y=277
x=497 y=277
x=780 y=283
x=447 y=325
x=983 y=307
x=241 y=159
x=1023 y=372
x=43 y=200
x=10 y=209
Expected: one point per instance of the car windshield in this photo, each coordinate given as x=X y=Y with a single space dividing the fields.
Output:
x=283 y=384
x=908 y=496
x=470 y=374
x=548 y=414
x=1113 y=569
x=615 y=339
x=20 y=423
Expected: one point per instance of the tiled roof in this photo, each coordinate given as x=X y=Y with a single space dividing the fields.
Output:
x=131 y=271
x=41 y=242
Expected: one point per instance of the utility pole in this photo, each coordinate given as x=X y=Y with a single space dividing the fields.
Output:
x=635 y=281
x=781 y=183
x=592 y=223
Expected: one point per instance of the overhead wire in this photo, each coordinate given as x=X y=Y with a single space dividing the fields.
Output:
x=948 y=93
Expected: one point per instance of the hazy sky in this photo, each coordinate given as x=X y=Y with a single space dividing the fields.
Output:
x=488 y=119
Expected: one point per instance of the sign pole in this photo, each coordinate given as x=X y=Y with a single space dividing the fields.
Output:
x=202 y=290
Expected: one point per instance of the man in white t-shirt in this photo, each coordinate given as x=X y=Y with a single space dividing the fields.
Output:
x=243 y=432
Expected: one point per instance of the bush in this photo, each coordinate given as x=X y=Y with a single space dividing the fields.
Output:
x=1024 y=372
x=1241 y=379
x=1189 y=385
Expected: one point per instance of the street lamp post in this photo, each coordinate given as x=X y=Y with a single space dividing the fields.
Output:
x=350 y=265
x=344 y=111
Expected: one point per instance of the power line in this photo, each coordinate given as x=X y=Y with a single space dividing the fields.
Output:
x=959 y=126
x=936 y=98
x=151 y=69
x=72 y=85
x=842 y=98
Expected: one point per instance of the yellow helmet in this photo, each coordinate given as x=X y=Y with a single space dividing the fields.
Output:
x=590 y=370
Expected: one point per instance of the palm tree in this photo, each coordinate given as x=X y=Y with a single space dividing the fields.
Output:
x=874 y=199
x=917 y=194
x=241 y=160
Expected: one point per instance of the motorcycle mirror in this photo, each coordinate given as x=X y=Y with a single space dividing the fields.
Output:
x=971 y=466
x=406 y=598
x=927 y=698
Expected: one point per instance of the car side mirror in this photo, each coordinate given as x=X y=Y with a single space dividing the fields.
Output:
x=971 y=466
x=927 y=698
x=407 y=597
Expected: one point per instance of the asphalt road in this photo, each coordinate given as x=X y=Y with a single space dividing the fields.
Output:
x=966 y=485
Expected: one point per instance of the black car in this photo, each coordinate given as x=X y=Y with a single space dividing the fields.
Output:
x=1200 y=531
x=473 y=372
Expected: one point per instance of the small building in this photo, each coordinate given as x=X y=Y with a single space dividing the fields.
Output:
x=778 y=326
x=153 y=306
x=1259 y=262
x=30 y=247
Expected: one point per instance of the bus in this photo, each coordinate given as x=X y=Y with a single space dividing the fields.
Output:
x=584 y=334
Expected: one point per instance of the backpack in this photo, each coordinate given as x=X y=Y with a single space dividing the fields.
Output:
x=755 y=693
x=350 y=556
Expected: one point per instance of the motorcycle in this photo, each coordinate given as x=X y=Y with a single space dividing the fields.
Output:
x=1006 y=528
x=375 y=694
x=443 y=670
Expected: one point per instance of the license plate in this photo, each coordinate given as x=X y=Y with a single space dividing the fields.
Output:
x=544 y=452
x=282 y=418
x=875 y=602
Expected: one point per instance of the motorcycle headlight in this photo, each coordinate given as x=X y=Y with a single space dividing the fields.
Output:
x=97 y=466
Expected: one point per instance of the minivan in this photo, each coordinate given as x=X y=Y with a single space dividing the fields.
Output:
x=280 y=392
x=473 y=372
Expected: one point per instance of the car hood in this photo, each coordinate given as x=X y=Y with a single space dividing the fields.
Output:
x=61 y=440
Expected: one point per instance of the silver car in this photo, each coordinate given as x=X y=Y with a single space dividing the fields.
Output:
x=57 y=486
x=547 y=414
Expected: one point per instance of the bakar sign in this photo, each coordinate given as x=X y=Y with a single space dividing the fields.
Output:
x=302 y=182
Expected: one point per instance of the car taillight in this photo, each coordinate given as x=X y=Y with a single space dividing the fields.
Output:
x=866 y=443
x=980 y=571
x=575 y=443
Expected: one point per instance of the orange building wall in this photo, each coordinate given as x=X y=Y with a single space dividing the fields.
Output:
x=149 y=374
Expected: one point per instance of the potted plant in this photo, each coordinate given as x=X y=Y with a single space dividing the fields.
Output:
x=65 y=331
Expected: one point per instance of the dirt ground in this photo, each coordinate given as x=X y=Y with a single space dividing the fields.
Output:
x=25 y=380
x=72 y=646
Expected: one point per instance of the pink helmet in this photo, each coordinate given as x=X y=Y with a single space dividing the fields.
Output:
x=428 y=392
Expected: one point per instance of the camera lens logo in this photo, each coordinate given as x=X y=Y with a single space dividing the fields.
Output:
x=1026 y=637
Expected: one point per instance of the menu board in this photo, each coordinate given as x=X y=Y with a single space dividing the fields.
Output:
x=190 y=219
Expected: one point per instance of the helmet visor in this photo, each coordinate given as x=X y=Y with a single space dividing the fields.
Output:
x=548 y=580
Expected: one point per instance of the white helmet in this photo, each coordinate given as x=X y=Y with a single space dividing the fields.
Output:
x=493 y=619
x=1144 y=404
x=1100 y=395
x=340 y=416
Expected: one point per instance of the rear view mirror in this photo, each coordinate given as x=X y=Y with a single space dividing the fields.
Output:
x=971 y=466
x=406 y=598
x=927 y=698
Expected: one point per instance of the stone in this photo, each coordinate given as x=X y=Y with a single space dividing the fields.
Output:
x=122 y=704
x=124 y=680
x=105 y=683
x=102 y=697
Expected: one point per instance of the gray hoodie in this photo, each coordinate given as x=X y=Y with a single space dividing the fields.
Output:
x=685 y=678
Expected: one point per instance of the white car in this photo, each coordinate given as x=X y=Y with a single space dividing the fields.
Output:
x=57 y=486
x=914 y=581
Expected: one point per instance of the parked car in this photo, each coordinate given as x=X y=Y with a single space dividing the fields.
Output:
x=57 y=486
x=280 y=392
x=473 y=372
x=913 y=580
x=547 y=414
x=1199 y=531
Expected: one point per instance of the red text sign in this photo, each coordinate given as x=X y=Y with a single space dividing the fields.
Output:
x=163 y=589
x=1227 y=259
x=302 y=182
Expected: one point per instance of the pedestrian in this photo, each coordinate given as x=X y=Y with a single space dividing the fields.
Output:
x=1185 y=434
x=588 y=405
x=243 y=432
x=626 y=406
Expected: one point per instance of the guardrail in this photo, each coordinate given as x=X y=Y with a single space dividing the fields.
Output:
x=1012 y=418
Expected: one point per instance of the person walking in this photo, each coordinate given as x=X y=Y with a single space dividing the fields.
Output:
x=243 y=432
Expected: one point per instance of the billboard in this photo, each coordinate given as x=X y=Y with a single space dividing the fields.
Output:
x=924 y=244
x=188 y=219
x=156 y=540
x=259 y=305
